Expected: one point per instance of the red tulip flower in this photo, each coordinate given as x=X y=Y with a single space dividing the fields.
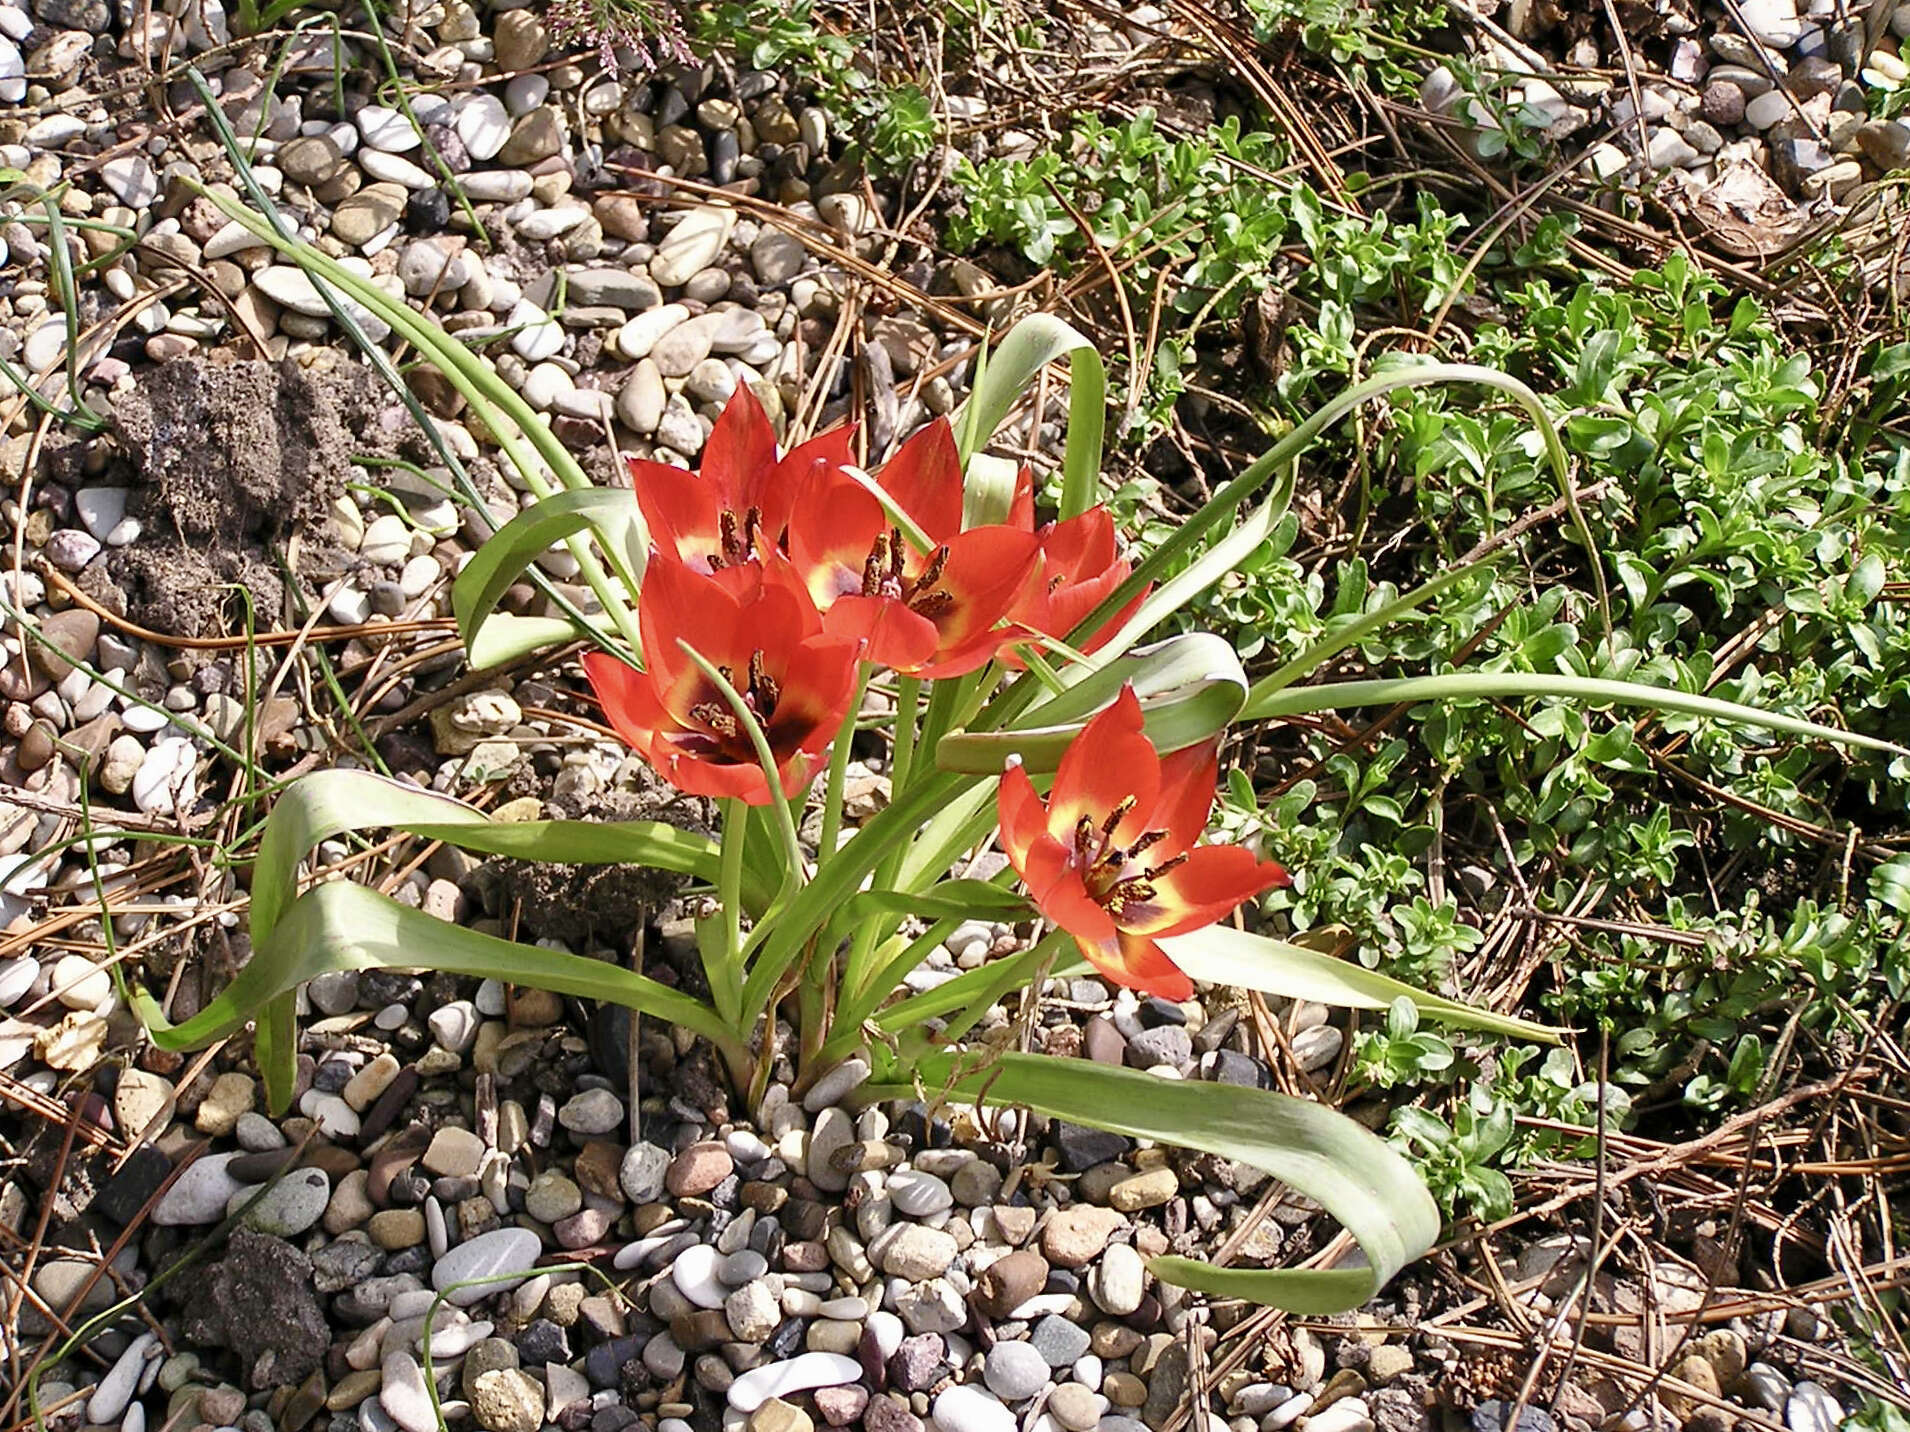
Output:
x=1110 y=855
x=927 y=613
x=757 y=626
x=1080 y=566
x=736 y=507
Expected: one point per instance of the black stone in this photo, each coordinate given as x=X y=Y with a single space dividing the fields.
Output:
x=1156 y=1012
x=408 y=1260
x=122 y=1196
x=603 y=1364
x=1165 y=1044
x=542 y=1341
x=1490 y=1416
x=1081 y=1149
x=1242 y=1070
x=378 y=988
x=408 y=1189
x=786 y=1339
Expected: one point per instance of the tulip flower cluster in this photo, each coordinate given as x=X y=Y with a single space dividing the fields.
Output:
x=745 y=611
x=794 y=574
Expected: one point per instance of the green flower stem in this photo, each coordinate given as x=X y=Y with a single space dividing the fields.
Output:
x=1029 y=968
x=839 y=767
x=858 y=1005
x=903 y=1017
x=724 y=966
x=837 y=879
x=908 y=707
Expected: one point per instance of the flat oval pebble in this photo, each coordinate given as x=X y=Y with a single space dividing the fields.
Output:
x=403 y=1395
x=115 y=1390
x=969 y=1409
x=919 y=1194
x=799 y=1374
x=386 y=129
x=288 y=1207
x=504 y=1250
x=697 y=1276
x=200 y=1195
x=483 y=125
x=1014 y=1370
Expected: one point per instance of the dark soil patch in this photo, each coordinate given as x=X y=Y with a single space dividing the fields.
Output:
x=591 y=904
x=230 y=461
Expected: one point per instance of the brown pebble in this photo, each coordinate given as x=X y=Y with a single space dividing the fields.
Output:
x=698 y=1169
x=1007 y=1283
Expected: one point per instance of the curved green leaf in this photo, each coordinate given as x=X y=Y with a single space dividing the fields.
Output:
x=610 y=512
x=1220 y=954
x=1351 y=1172
x=330 y=803
x=503 y=637
x=1030 y=346
x=1495 y=685
x=341 y=926
x=1190 y=687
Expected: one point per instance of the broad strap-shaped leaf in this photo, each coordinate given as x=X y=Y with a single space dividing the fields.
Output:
x=341 y=926
x=1223 y=955
x=1032 y=344
x=1350 y=1171
x=608 y=512
x=330 y=803
x=1513 y=685
x=1190 y=687
x=503 y=637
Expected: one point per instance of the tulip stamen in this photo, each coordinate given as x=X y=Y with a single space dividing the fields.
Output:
x=1134 y=890
x=719 y=721
x=764 y=691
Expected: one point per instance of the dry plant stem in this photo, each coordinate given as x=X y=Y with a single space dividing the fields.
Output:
x=313 y=633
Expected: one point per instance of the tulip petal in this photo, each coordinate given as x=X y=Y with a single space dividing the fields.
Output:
x=1189 y=782
x=925 y=479
x=1107 y=763
x=626 y=695
x=1213 y=882
x=739 y=458
x=1021 y=814
x=1138 y=963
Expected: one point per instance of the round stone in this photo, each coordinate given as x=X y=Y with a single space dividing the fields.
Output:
x=1014 y=1370
x=699 y=1169
x=552 y=1196
x=965 y=1408
x=594 y=1111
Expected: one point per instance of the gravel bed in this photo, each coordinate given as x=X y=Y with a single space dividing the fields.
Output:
x=891 y=1267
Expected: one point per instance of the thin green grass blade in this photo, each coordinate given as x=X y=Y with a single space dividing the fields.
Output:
x=1513 y=685
x=1223 y=955
x=1324 y=1155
